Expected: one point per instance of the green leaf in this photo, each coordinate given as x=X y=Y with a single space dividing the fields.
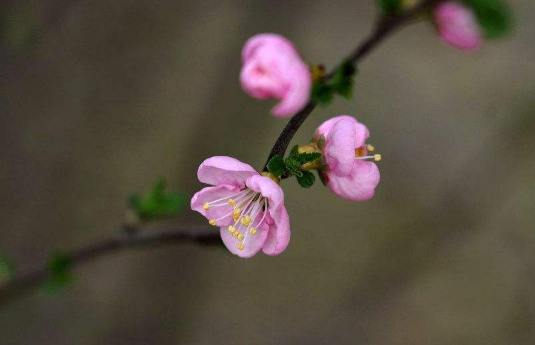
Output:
x=59 y=272
x=276 y=166
x=307 y=157
x=390 y=6
x=295 y=151
x=494 y=16
x=322 y=93
x=307 y=179
x=293 y=166
x=342 y=81
x=158 y=203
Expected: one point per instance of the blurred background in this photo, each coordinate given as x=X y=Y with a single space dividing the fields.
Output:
x=98 y=98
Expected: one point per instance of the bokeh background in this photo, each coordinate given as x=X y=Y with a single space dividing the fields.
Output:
x=98 y=98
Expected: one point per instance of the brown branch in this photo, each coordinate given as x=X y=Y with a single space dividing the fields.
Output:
x=383 y=29
x=25 y=280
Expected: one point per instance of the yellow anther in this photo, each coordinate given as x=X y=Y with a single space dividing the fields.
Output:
x=235 y=233
x=252 y=231
x=360 y=151
x=240 y=237
x=206 y=206
x=236 y=218
x=236 y=212
x=246 y=220
x=370 y=148
x=377 y=157
x=231 y=202
x=212 y=222
x=240 y=246
x=231 y=229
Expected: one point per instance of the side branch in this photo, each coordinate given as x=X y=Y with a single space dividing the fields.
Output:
x=130 y=238
x=383 y=29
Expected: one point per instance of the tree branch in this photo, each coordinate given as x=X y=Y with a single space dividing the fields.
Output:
x=383 y=29
x=132 y=237
x=129 y=238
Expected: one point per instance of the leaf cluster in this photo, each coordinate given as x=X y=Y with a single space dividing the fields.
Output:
x=158 y=203
x=292 y=166
x=341 y=83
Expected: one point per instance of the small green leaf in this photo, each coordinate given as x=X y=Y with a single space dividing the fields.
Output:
x=307 y=157
x=390 y=6
x=59 y=272
x=276 y=166
x=494 y=16
x=322 y=93
x=295 y=151
x=293 y=166
x=307 y=179
x=342 y=81
x=158 y=203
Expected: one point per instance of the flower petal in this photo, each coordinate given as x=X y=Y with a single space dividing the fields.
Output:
x=298 y=93
x=359 y=185
x=210 y=194
x=458 y=26
x=224 y=170
x=268 y=39
x=340 y=146
x=268 y=188
x=279 y=232
x=251 y=243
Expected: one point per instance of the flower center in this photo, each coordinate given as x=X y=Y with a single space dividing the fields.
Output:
x=249 y=211
x=360 y=153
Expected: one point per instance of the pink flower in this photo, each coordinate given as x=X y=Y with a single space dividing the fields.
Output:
x=248 y=207
x=457 y=25
x=348 y=174
x=272 y=68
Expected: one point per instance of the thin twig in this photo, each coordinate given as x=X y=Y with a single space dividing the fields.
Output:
x=383 y=29
x=23 y=281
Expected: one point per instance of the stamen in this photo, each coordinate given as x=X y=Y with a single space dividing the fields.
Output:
x=232 y=202
x=240 y=237
x=252 y=231
x=240 y=246
x=376 y=157
x=370 y=148
x=212 y=222
x=231 y=229
x=206 y=206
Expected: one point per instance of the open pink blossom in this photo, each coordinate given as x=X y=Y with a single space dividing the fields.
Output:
x=272 y=68
x=457 y=25
x=348 y=173
x=248 y=207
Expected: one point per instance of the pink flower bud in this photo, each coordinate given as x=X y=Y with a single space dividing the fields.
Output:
x=457 y=26
x=272 y=68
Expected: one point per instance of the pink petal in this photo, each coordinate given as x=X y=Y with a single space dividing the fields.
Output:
x=252 y=243
x=279 y=232
x=209 y=194
x=458 y=26
x=298 y=94
x=340 y=146
x=251 y=46
x=224 y=170
x=359 y=185
x=268 y=188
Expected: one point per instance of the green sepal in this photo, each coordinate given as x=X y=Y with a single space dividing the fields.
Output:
x=306 y=180
x=308 y=157
x=341 y=83
x=158 y=203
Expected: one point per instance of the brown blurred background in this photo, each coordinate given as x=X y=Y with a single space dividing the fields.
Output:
x=98 y=98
